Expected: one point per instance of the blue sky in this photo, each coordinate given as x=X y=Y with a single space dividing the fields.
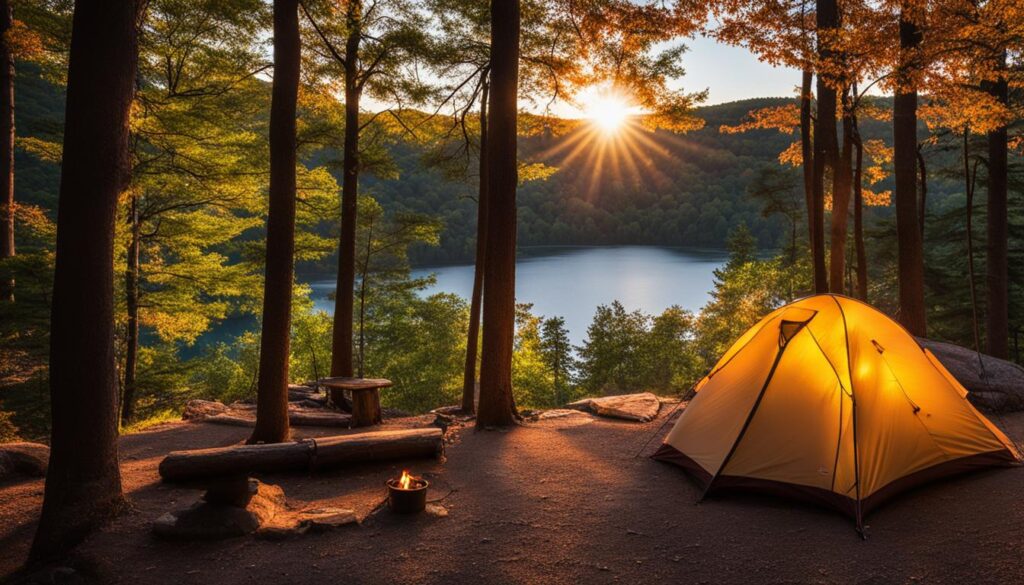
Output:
x=733 y=73
x=728 y=73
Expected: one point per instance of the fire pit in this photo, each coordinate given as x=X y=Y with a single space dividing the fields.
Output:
x=407 y=494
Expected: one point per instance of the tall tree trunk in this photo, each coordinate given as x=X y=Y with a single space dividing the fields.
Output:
x=364 y=275
x=131 y=297
x=922 y=170
x=6 y=150
x=911 y=253
x=997 y=265
x=473 y=334
x=969 y=185
x=275 y=338
x=807 y=153
x=858 y=214
x=841 y=180
x=497 y=405
x=341 y=343
x=825 y=142
x=83 y=482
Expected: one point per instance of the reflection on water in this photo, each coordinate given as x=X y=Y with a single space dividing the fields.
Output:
x=572 y=281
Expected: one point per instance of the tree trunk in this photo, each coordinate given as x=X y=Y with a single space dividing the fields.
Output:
x=497 y=405
x=83 y=482
x=969 y=191
x=472 y=336
x=275 y=338
x=825 y=144
x=922 y=170
x=807 y=153
x=131 y=297
x=858 y=214
x=341 y=343
x=319 y=453
x=364 y=274
x=841 y=202
x=911 y=253
x=6 y=150
x=997 y=265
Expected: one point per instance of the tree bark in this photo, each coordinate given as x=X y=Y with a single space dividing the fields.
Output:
x=825 y=142
x=841 y=180
x=341 y=343
x=83 y=482
x=497 y=405
x=319 y=453
x=922 y=170
x=807 y=153
x=131 y=297
x=473 y=334
x=969 y=191
x=858 y=214
x=997 y=264
x=275 y=338
x=6 y=150
x=911 y=253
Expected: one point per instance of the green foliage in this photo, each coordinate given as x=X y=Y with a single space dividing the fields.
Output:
x=557 y=353
x=632 y=352
x=746 y=289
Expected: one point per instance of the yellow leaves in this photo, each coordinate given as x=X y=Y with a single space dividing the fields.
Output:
x=42 y=149
x=873 y=199
x=24 y=43
x=535 y=172
x=960 y=108
x=793 y=155
x=785 y=119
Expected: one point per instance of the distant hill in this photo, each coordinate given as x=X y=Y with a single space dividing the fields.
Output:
x=670 y=189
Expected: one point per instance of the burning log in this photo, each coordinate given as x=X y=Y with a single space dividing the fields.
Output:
x=309 y=454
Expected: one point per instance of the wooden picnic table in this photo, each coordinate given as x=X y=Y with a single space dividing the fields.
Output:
x=365 y=397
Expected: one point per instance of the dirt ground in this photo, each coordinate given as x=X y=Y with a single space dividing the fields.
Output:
x=560 y=501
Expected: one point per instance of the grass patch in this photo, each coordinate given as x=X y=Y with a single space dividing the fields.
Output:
x=156 y=418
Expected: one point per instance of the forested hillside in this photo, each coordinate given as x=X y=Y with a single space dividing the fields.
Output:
x=670 y=189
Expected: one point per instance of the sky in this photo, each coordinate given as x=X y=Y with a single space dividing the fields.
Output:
x=728 y=73
x=733 y=73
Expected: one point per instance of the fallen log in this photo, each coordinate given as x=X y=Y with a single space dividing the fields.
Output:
x=295 y=419
x=309 y=454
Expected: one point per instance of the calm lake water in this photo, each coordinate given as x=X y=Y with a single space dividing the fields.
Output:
x=571 y=282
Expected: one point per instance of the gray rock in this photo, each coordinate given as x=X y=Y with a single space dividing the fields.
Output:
x=641 y=407
x=1000 y=387
x=23 y=460
x=201 y=409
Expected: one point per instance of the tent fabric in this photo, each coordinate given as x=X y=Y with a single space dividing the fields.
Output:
x=830 y=400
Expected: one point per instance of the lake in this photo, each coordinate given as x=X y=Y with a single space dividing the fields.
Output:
x=571 y=282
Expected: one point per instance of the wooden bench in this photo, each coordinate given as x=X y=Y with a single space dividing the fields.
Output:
x=365 y=397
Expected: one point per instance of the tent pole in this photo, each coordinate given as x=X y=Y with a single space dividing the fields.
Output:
x=853 y=406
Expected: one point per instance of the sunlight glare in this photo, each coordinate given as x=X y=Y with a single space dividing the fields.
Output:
x=607 y=111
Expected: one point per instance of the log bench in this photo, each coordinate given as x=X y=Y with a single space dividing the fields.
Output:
x=365 y=397
x=308 y=455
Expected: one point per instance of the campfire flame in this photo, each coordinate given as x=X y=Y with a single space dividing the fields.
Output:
x=406 y=481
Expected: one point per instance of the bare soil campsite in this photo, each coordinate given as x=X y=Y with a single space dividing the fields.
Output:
x=556 y=500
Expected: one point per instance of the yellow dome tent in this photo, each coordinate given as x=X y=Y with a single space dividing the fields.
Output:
x=830 y=400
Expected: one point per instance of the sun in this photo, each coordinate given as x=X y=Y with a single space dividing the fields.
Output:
x=607 y=111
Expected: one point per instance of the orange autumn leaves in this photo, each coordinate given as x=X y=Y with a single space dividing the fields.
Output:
x=786 y=119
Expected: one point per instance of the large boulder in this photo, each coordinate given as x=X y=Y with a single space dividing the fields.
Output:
x=999 y=386
x=201 y=409
x=23 y=460
x=641 y=407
